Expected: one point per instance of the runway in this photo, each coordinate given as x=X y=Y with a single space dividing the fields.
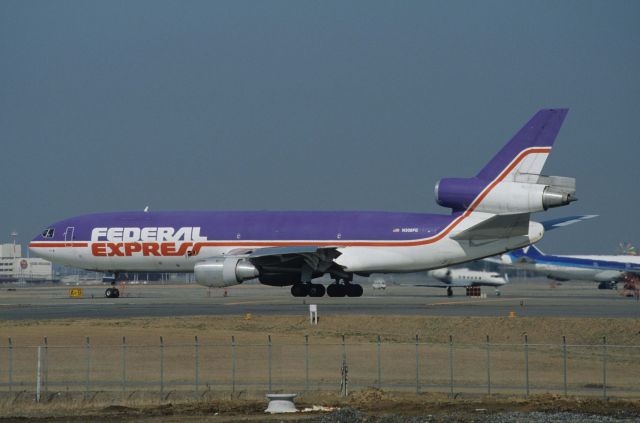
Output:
x=530 y=298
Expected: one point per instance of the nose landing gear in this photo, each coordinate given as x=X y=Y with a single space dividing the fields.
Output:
x=112 y=293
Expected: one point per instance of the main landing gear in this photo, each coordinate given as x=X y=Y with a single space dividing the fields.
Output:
x=310 y=289
x=334 y=290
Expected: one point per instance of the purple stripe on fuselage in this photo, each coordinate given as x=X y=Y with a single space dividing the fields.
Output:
x=267 y=226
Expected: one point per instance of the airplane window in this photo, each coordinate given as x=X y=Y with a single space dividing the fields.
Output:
x=48 y=233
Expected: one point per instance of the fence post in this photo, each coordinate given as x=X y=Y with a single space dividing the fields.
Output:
x=124 y=364
x=197 y=359
x=39 y=375
x=87 y=386
x=344 y=370
x=378 y=363
x=417 y=364
x=451 y=364
x=604 y=367
x=306 y=363
x=526 y=364
x=46 y=366
x=10 y=364
x=564 y=365
x=270 y=359
x=233 y=365
x=488 y=366
x=161 y=367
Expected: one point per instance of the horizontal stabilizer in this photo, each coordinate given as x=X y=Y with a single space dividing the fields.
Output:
x=565 y=221
x=498 y=226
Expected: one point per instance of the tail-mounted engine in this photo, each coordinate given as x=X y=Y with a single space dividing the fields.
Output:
x=224 y=271
x=527 y=193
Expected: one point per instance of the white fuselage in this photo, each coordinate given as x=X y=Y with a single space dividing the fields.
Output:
x=383 y=256
x=466 y=277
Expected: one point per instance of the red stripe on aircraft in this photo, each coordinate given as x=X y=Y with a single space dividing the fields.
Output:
x=57 y=244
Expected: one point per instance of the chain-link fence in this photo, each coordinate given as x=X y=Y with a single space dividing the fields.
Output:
x=517 y=368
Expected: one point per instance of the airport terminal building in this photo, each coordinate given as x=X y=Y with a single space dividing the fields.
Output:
x=15 y=268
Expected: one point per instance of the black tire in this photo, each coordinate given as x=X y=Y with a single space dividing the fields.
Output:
x=449 y=292
x=316 y=290
x=115 y=293
x=107 y=293
x=336 y=290
x=354 y=290
x=299 y=290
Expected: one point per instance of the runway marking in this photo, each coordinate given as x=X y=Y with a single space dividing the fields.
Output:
x=488 y=300
x=283 y=301
x=254 y=302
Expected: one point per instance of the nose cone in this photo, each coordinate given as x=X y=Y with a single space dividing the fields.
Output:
x=33 y=247
x=38 y=246
x=439 y=273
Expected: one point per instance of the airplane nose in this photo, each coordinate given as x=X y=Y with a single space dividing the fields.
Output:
x=32 y=250
x=35 y=250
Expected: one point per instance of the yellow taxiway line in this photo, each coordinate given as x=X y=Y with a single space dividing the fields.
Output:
x=487 y=300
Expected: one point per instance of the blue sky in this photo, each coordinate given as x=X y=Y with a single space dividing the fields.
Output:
x=310 y=105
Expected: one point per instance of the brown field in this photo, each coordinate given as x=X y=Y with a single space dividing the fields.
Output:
x=219 y=329
x=90 y=380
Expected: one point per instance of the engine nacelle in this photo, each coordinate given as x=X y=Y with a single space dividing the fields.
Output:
x=458 y=193
x=518 y=196
x=224 y=271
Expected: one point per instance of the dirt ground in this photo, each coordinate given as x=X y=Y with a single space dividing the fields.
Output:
x=370 y=405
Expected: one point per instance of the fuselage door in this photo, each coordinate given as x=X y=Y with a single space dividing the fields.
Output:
x=68 y=236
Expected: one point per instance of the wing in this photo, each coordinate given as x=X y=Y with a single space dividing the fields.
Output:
x=306 y=260
x=317 y=258
x=429 y=285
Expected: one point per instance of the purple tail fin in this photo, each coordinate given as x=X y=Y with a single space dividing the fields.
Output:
x=540 y=131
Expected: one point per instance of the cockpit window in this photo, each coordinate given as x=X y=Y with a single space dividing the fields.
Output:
x=48 y=233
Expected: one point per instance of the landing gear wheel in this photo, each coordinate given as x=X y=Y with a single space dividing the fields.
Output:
x=316 y=290
x=300 y=290
x=354 y=290
x=449 y=292
x=336 y=290
x=112 y=293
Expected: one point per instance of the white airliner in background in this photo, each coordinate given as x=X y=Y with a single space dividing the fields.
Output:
x=464 y=278
x=605 y=269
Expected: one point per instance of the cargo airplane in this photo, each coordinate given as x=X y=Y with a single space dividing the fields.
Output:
x=490 y=214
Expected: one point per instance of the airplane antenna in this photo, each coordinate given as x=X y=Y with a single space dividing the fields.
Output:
x=146 y=209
